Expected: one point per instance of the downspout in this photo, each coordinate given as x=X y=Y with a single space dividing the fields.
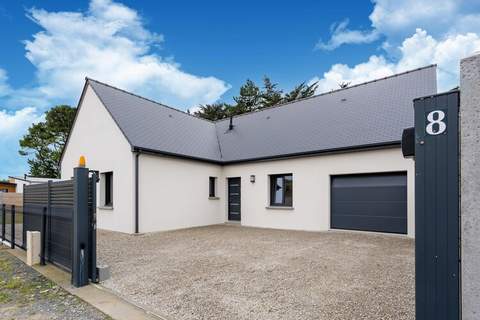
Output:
x=137 y=155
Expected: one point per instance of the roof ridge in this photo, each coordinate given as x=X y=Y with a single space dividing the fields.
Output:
x=147 y=99
x=330 y=92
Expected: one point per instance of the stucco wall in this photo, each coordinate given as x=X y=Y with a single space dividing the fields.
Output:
x=311 y=187
x=174 y=193
x=96 y=136
x=469 y=185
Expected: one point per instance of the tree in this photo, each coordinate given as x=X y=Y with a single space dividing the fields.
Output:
x=44 y=142
x=213 y=112
x=301 y=91
x=270 y=95
x=249 y=98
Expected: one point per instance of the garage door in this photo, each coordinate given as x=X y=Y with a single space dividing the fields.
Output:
x=370 y=202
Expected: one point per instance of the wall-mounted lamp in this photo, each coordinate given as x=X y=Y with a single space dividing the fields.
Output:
x=252 y=178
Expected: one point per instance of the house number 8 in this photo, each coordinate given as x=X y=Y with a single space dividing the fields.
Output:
x=436 y=118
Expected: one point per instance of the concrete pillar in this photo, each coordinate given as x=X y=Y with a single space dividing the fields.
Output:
x=470 y=185
x=33 y=247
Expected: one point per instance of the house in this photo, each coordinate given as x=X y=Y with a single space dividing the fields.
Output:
x=332 y=161
x=27 y=180
x=7 y=186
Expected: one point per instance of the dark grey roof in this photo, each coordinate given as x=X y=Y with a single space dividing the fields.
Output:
x=368 y=114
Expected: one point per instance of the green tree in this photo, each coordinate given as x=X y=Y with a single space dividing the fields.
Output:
x=249 y=98
x=301 y=91
x=44 y=142
x=214 y=111
x=270 y=95
x=253 y=98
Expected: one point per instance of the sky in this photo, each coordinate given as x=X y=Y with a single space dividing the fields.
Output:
x=186 y=53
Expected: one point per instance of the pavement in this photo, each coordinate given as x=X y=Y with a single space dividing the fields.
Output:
x=95 y=295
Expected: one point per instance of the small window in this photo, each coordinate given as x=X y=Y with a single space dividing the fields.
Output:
x=211 y=187
x=281 y=190
x=107 y=191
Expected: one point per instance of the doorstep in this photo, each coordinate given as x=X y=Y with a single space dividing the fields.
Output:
x=94 y=294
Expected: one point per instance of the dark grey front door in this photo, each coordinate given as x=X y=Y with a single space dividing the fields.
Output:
x=234 y=199
x=370 y=202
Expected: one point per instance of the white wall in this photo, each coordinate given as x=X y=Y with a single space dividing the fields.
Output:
x=311 y=187
x=174 y=193
x=96 y=136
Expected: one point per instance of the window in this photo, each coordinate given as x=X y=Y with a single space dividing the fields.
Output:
x=211 y=187
x=281 y=190
x=107 y=186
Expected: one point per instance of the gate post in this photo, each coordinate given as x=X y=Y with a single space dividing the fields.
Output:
x=437 y=253
x=4 y=216
x=12 y=228
x=470 y=190
x=80 y=242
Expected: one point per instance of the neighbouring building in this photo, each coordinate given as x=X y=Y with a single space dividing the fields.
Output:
x=332 y=161
x=7 y=186
x=20 y=182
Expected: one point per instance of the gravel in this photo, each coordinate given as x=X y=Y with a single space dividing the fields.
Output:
x=231 y=272
x=26 y=294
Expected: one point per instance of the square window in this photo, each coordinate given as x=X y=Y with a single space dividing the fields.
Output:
x=281 y=190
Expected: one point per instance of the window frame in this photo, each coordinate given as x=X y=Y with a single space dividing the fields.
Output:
x=212 y=187
x=273 y=182
x=107 y=191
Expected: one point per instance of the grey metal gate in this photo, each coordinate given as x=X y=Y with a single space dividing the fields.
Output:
x=51 y=209
x=437 y=253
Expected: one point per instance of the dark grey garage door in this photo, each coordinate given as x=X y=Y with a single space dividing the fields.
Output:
x=370 y=202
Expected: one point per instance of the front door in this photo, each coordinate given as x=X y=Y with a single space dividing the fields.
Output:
x=234 y=199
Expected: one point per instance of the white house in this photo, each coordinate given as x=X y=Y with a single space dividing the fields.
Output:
x=329 y=161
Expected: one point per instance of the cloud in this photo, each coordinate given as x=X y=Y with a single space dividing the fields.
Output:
x=420 y=49
x=13 y=126
x=416 y=33
x=342 y=35
x=108 y=42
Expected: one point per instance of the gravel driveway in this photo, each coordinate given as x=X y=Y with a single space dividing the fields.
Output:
x=230 y=272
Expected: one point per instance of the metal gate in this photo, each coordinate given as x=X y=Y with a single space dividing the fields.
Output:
x=50 y=208
x=437 y=222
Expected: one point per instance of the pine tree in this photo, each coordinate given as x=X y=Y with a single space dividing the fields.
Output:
x=300 y=92
x=249 y=98
x=214 y=111
x=270 y=95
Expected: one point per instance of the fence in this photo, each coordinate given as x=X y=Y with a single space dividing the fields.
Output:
x=12 y=233
x=65 y=214
x=48 y=207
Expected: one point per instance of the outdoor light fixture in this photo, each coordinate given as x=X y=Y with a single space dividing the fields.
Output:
x=252 y=178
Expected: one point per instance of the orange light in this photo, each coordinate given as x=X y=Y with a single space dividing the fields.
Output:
x=81 y=162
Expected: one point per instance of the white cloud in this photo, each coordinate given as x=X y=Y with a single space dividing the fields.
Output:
x=342 y=35
x=419 y=50
x=417 y=33
x=13 y=126
x=17 y=121
x=109 y=42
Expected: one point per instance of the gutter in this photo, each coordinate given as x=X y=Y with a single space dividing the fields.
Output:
x=137 y=156
x=372 y=146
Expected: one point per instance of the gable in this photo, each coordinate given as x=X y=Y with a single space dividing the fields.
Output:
x=93 y=130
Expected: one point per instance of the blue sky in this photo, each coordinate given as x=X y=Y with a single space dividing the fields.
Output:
x=187 y=53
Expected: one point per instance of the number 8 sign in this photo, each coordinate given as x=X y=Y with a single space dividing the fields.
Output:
x=435 y=124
